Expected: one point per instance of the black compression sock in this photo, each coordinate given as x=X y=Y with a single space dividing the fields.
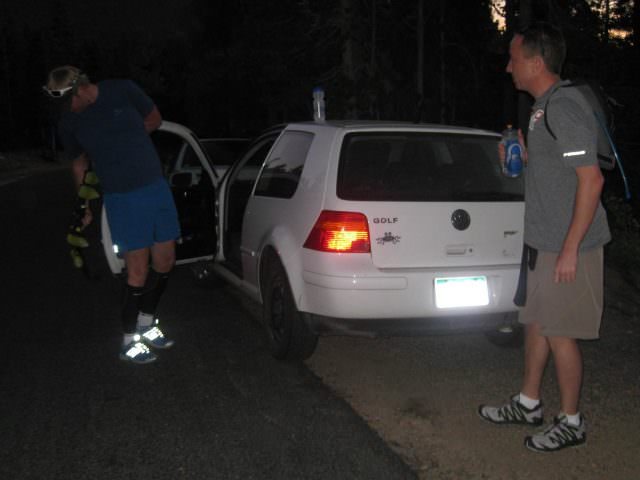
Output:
x=150 y=298
x=130 y=307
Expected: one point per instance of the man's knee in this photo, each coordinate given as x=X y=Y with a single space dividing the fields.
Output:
x=561 y=343
x=163 y=257
x=137 y=275
x=164 y=265
x=137 y=263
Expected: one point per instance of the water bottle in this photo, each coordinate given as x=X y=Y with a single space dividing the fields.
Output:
x=512 y=153
x=318 y=104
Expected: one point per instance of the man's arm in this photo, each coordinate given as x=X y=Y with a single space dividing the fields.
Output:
x=590 y=182
x=153 y=120
x=79 y=166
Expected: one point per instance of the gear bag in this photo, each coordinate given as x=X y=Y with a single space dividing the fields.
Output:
x=601 y=104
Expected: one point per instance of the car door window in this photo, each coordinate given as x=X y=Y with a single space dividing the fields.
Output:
x=281 y=174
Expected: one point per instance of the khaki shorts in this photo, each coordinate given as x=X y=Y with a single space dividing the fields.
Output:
x=571 y=310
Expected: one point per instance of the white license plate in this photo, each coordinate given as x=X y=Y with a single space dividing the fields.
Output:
x=453 y=292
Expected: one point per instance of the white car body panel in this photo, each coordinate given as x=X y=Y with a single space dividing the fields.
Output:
x=393 y=281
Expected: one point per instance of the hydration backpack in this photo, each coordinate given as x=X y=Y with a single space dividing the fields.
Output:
x=601 y=104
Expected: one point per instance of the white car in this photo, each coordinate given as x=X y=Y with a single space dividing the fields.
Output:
x=367 y=228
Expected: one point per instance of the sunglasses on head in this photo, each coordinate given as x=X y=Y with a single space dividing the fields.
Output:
x=57 y=93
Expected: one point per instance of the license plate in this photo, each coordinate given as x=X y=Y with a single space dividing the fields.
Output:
x=453 y=292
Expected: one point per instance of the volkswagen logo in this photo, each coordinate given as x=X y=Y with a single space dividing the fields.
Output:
x=460 y=219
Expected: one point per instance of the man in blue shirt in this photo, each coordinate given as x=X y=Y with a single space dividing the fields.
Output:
x=107 y=125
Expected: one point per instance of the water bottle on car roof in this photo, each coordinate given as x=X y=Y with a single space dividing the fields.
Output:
x=318 y=105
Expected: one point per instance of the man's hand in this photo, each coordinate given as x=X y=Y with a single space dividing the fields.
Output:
x=566 y=267
x=502 y=155
x=88 y=217
x=590 y=182
x=523 y=149
x=79 y=166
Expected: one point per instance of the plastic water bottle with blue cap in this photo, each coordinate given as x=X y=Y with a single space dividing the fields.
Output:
x=512 y=152
x=318 y=105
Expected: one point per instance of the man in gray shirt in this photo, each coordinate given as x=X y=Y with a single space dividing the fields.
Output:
x=566 y=226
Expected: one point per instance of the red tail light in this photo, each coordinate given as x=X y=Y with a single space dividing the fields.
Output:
x=340 y=232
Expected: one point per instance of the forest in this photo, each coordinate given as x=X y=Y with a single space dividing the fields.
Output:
x=236 y=67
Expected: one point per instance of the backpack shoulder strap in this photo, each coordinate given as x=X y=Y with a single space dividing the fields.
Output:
x=546 y=109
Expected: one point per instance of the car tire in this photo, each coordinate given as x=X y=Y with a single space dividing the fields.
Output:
x=289 y=335
x=507 y=336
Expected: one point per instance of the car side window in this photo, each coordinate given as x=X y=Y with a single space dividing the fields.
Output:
x=281 y=174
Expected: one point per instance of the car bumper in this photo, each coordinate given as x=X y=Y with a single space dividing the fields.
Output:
x=402 y=295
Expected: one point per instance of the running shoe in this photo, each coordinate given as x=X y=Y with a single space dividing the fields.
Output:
x=561 y=434
x=514 y=413
x=137 y=352
x=154 y=337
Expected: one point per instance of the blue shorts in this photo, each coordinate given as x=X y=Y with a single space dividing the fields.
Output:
x=142 y=217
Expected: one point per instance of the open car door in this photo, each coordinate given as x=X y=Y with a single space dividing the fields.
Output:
x=193 y=182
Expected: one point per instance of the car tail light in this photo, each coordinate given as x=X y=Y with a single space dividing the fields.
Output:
x=340 y=232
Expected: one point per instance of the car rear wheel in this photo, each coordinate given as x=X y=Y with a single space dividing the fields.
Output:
x=289 y=335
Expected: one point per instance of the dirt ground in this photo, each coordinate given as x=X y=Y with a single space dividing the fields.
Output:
x=421 y=396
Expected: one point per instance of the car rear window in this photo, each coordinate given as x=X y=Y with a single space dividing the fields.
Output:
x=413 y=167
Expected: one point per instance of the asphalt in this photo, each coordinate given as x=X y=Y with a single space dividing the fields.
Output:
x=215 y=406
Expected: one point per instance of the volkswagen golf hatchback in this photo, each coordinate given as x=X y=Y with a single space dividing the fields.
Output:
x=359 y=228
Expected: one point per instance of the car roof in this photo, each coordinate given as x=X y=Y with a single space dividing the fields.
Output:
x=355 y=125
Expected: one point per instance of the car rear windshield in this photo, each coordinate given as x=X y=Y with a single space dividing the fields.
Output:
x=418 y=167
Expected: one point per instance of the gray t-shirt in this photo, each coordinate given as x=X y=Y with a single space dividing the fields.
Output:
x=550 y=176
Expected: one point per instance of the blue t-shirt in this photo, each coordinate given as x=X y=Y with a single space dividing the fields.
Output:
x=111 y=132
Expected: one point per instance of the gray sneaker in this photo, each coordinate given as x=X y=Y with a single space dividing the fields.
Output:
x=561 y=434
x=137 y=352
x=153 y=336
x=514 y=413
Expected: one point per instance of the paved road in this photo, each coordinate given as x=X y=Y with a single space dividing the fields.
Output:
x=215 y=406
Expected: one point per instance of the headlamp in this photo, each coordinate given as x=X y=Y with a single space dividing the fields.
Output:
x=58 y=93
